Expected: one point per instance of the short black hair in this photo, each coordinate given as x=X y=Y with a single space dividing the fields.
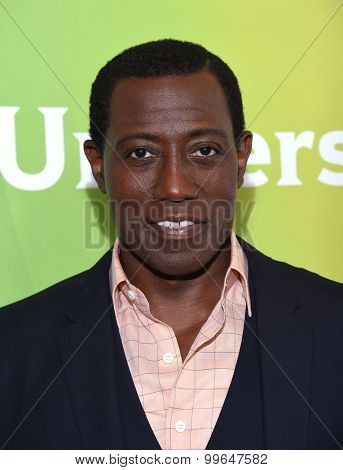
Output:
x=154 y=59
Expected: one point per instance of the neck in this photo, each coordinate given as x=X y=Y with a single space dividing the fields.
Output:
x=200 y=289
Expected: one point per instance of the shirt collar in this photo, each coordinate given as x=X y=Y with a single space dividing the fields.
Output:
x=238 y=263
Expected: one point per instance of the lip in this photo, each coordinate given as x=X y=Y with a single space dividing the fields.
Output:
x=189 y=231
x=178 y=218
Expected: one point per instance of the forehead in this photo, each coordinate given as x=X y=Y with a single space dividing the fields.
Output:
x=171 y=104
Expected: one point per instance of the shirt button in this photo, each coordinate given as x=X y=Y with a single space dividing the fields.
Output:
x=180 y=426
x=168 y=358
x=131 y=295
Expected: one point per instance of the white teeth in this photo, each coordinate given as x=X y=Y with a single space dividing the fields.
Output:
x=177 y=225
x=184 y=223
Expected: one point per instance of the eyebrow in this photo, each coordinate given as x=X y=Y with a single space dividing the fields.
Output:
x=154 y=137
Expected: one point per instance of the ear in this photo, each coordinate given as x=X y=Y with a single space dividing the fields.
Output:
x=244 y=147
x=96 y=161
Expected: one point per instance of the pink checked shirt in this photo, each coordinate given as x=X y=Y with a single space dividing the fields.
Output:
x=182 y=401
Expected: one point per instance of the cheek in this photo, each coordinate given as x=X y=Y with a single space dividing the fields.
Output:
x=221 y=193
x=123 y=184
x=128 y=191
x=221 y=184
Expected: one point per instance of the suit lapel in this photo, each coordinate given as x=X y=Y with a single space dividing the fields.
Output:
x=240 y=423
x=285 y=333
x=107 y=409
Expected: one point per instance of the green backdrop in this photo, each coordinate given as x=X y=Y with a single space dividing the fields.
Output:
x=289 y=62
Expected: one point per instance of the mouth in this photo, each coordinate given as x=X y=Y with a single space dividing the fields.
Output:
x=178 y=228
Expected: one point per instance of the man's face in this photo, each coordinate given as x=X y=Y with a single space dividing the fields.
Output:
x=170 y=156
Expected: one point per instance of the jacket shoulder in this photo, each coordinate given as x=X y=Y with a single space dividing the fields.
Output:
x=52 y=302
x=310 y=288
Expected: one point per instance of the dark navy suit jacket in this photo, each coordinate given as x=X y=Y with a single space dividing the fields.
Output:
x=65 y=382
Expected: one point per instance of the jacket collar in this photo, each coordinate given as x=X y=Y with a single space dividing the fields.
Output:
x=285 y=339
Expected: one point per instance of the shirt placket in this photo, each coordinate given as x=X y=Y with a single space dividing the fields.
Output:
x=168 y=357
x=179 y=416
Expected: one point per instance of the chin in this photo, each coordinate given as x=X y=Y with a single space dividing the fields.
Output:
x=173 y=264
x=176 y=257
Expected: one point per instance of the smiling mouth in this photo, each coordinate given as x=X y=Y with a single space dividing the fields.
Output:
x=178 y=230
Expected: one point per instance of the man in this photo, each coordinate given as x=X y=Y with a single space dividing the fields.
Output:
x=182 y=336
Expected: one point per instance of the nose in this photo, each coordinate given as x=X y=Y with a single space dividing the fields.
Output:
x=174 y=181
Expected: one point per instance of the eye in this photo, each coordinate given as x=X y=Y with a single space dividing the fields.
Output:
x=140 y=153
x=205 y=152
